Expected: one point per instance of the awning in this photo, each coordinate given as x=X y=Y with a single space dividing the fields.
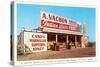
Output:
x=61 y=31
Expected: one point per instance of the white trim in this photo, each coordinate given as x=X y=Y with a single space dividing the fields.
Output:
x=56 y=4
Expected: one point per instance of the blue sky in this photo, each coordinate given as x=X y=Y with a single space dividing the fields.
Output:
x=28 y=16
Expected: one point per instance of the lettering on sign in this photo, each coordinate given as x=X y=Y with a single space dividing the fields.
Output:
x=57 y=22
x=36 y=41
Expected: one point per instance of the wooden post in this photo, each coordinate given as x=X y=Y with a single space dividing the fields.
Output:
x=80 y=41
x=66 y=41
x=75 y=41
x=56 y=38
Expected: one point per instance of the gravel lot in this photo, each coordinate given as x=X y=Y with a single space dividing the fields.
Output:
x=63 y=53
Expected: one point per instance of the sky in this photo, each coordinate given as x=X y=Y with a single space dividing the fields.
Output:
x=28 y=16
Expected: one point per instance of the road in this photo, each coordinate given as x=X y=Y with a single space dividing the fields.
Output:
x=64 y=53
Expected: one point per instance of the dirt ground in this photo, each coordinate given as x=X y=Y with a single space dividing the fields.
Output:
x=63 y=53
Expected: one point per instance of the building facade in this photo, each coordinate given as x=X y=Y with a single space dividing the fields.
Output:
x=62 y=32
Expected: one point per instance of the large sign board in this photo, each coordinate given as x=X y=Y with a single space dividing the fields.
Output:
x=36 y=42
x=49 y=20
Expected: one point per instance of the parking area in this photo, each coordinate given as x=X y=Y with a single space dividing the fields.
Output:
x=62 y=53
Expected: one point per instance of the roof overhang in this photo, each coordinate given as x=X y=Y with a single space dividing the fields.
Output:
x=62 y=31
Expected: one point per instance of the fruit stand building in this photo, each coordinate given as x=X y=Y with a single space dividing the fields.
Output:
x=60 y=31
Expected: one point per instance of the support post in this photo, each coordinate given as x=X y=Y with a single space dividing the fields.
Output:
x=66 y=41
x=56 y=38
x=75 y=41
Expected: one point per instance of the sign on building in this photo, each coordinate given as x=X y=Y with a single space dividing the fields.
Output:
x=53 y=21
x=36 y=42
